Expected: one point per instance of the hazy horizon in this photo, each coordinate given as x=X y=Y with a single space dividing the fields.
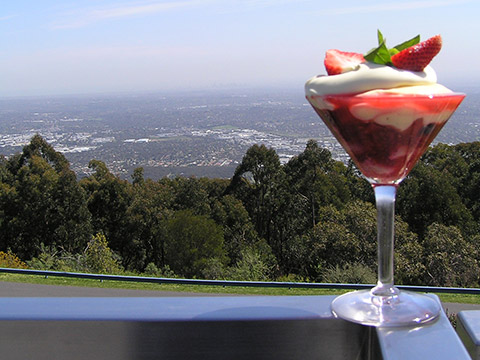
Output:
x=464 y=86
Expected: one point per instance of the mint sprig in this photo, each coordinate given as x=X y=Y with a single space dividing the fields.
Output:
x=383 y=55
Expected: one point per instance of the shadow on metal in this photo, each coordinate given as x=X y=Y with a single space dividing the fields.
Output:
x=193 y=340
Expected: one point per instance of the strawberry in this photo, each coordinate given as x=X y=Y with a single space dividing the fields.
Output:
x=337 y=62
x=417 y=57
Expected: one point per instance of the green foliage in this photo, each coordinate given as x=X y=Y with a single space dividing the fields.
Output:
x=330 y=243
x=257 y=182
x=350 y=273
x=318 y=179
x=343 y=235
x=408 y=256
x=108 y=199
x=462 y=162
x=250 y=267
x=214 y=269
x=311 y=218
x=152 y=270
x=191 y=195
x=429 y=196
x=10 y=260
x=41 y=202
x=191 y=241
x=449 y=259
x=260 y=182
x=146 y=217
x=238 y=230
x=50 y=258
x=99 y=258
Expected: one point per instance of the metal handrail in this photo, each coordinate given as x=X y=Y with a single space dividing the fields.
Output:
x=225 y=283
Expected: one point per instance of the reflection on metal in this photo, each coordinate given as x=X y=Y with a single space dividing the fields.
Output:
x=260 y=327
x=225 y=283
x=468 y=328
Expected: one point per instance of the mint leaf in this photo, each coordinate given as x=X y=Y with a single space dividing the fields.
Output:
x=383 y=55
x=380 y=37
x=379 y=55
x=407 y=44
x=393 y=51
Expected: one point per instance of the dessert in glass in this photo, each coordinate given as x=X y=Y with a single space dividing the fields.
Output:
x=384 y=108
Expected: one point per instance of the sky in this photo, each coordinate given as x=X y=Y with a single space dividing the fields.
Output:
x=67 y=47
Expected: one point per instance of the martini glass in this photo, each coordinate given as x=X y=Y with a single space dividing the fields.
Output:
x=385 y=134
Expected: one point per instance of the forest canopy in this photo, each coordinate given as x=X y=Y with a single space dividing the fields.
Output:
x=311 y=219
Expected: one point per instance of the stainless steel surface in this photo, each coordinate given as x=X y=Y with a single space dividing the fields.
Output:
x=283 y=327
x=437 y=340
x=468 y=328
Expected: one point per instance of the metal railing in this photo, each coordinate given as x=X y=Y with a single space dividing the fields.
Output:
x=229 y=283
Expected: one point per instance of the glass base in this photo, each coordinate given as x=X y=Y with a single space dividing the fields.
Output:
x=404 y=309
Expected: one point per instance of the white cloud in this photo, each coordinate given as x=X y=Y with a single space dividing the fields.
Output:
x=84 y=17
x=141 y=9
x=6 y=17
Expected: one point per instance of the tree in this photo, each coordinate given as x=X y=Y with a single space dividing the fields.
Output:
x=41 y=202
x=250 y=266
x=349 y=236
x=192 y=240
x=408 y=255
x=329 y=244
x=99 y=258
x=449 y=259
x=429 y=196
x=260 y=183
x=257 y=182
x=470 y=184
x=318 y=178
x=146 y=216
x=350 y=273
x=38 y=147
x=108 y=199
x=238 y=230
x=189 y=193
x=137 y=177
x=360 y=188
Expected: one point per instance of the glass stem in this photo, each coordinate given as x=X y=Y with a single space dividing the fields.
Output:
x=385 y=200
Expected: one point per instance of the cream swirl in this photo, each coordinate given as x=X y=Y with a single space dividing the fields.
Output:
x=369 y=76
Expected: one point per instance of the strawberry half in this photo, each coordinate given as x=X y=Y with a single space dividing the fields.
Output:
x=417 y=57
x=337 y=62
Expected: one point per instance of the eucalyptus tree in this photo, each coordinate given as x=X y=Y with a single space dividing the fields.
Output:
x=108 y=199
x=261 y=184
x=147 y=214
x=41 y=202
x=318 y=179
x=428 y=196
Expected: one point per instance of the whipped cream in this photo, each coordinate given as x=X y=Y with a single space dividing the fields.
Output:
x=369 y=76
x=432 y=89
x=399 y=116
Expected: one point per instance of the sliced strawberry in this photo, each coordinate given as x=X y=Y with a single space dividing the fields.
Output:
x=417 y=57
x=337 y=62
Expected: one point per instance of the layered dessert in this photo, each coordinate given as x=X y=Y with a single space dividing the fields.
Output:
x=385 y=107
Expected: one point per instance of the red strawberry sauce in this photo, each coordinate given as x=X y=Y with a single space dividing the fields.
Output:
x=384 y=153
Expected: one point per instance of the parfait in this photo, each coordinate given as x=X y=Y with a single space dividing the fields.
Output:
x=384 y=108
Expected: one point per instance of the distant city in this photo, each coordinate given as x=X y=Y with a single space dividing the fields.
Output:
x=188 y=134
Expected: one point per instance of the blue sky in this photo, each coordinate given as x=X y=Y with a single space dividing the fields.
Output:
x=95 y=46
